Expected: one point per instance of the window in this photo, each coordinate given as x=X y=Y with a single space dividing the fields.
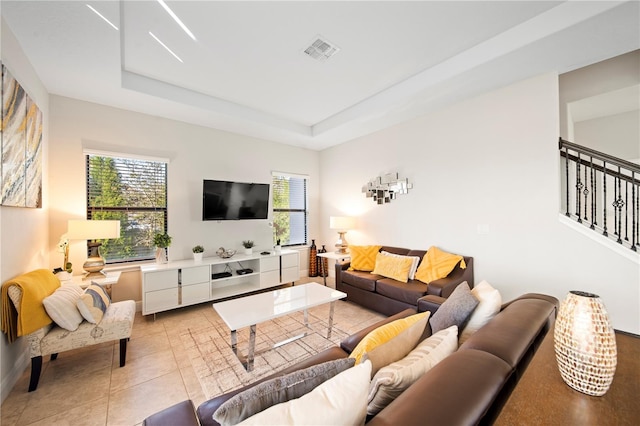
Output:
x=290 y=212
x=133 y=191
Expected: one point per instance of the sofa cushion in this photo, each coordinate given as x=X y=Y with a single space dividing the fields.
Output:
x=437 y=264
x=363 y=258
x=93 y=303
x=393 y=266
x=396 y=348
x=383 y=334
x=340 y=400
x=278 y=390
x=408 y=292
x=488 y=307
x=363 y=280
x=393 y=379
x=455 y=310
x=61 y=306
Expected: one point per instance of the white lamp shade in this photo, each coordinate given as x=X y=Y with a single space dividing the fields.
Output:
x=342 y=222
x=93 y=229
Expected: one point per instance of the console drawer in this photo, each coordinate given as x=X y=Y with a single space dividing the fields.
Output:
x=270 y=264
x=199 y=274
x=160 y=300
x=160 y=280
x=195 y=293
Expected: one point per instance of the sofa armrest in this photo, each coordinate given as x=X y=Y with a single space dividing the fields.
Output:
x=430 y=303
x=445 y=286
x=341 y=266
x=350 y=342
x=182 y=413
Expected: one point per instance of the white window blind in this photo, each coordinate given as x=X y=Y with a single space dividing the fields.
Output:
x=290 y=208
x=133 y=191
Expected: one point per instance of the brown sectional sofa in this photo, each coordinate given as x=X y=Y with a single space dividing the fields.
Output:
x=388 y=296
x=468 y=387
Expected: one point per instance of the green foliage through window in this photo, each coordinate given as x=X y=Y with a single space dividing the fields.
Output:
x=290 y=212
x=134 y=192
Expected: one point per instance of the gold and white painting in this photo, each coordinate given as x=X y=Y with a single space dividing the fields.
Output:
x=21 y=138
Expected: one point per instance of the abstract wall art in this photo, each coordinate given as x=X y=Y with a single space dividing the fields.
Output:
x=21 y=142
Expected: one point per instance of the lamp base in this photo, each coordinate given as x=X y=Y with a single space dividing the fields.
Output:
x=95 y=263
x=341 y=244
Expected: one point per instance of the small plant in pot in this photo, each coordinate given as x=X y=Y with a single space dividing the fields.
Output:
x=161 y=241
x=248 y=246
x=197 y=252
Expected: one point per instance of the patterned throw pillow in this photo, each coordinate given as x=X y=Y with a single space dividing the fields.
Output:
x=383 y=334
x=278 y=390
x=396 y=268
x=393 y=379
x=61 y=306
x=363 y=258
x=414 y=264
x=93 y=303
x=437 y=264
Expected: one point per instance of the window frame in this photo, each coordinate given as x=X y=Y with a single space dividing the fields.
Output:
x=305 y=210
x=90 y=210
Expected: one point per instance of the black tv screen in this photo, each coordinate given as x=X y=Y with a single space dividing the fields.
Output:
x=224 y=200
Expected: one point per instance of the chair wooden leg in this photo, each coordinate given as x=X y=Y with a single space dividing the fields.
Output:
x=123 y=351
x=36 y=368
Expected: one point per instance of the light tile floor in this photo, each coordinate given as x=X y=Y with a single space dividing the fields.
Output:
x=87 y=386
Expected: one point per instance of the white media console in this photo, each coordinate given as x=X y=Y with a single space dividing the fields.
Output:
x=187 y=282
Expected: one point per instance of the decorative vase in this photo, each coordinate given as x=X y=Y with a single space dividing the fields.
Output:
x=313 y=262
x=278 y=249
x=161 y=255
x=323 y=263
x=585 y=344
x=197 y=257
x=248 y=250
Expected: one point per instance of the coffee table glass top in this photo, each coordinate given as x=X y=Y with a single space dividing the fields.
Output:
x=251 y=310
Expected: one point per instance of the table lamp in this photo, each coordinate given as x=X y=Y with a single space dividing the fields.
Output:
x=93 y=230
x=342 y=224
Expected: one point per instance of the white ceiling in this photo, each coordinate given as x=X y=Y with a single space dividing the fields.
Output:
x=246 y=71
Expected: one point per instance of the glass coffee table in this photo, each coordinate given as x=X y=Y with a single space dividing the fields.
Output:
x=251 y=310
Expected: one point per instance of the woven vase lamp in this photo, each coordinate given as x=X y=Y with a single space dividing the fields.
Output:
x=585 y=344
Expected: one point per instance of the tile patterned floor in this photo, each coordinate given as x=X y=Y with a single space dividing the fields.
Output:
x=87 y=386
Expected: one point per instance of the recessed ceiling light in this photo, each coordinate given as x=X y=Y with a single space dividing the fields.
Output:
x=175 y=18
x=321 y=49
x=100 y=15
x=165 y=46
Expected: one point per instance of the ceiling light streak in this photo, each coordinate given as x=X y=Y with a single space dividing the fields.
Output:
x=100 y=15
x=165 y=46
x=175 y=18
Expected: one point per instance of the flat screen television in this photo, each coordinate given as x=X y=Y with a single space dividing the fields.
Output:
x=224 y=200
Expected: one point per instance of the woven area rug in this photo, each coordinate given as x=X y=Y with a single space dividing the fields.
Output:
x=218 y=368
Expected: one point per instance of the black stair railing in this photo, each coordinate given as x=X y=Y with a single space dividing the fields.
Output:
x=602 y=192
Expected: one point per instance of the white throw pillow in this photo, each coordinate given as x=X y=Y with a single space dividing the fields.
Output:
x=489 y=306
x=61 y=306
x=341 y=400
x=390 y=381
x=414 y=262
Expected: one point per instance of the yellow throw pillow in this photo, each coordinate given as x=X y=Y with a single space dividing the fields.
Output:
x=437 y=264
x=393 y=267
x=383 y=334
x=363 y=258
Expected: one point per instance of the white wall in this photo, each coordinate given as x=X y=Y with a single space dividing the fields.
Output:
x=489 y=161
x=23 y=231
x=617 y=135
x=195 y=153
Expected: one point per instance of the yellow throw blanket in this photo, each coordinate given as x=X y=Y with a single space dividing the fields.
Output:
x=35 y=286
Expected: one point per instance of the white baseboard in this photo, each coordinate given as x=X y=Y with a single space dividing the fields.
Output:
x=14 y=375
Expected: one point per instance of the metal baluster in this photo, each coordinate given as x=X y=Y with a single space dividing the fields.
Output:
x=594 y=194
x=618 y=203
x=566 y=170
x=637 y=213
x=585 y=192
x=604 y=204
x=578 y=189
x=626 y=211
x=634 y=225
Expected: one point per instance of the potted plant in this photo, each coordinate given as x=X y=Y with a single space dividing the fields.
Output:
x=161 y=241
x=197 y=252
x=248 y=246
x=278 y=247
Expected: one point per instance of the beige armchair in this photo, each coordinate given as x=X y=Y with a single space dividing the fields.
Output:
x=116 y=324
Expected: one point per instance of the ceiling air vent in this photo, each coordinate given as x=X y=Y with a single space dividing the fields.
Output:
x=321 y=49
